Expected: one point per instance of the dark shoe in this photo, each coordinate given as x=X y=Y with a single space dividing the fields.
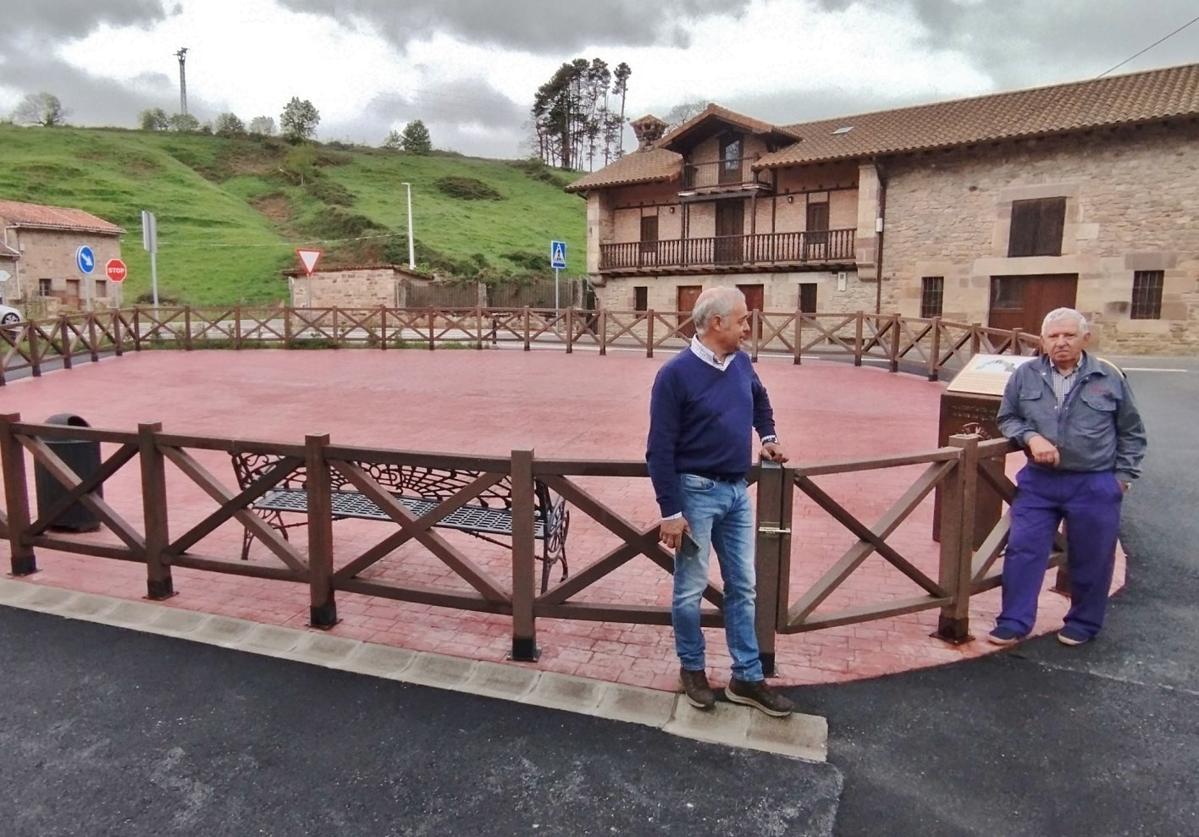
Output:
x=695 y=686
x=1004 y=637
x=1073 y=635
x=759 y=696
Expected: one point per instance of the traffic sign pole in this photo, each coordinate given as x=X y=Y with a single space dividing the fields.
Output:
x=557 y=306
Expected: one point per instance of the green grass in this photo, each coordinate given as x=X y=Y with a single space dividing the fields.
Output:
x=230 y=218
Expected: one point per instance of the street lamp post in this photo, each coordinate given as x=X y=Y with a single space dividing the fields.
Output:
x=411 y=250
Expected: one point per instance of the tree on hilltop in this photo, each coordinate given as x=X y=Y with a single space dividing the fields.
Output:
x=229 y=125
x=263 y=126
x=153 y=119
x=40 y=109
x=394 y=141
x=183 y=122
x=415 y=138
x=299 y=119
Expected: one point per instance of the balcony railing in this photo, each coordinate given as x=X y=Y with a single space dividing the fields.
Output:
x=763 y=248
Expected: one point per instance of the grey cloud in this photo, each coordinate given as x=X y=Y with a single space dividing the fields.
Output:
x=1020 y=43
x=49 y=21
x=532 y=25
x=462 y=101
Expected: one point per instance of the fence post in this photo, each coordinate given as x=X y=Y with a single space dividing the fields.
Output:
x=94 y=345
x=798 y=336
x=322 y=606
x=934 y=355
x=432 y=328
x=649 y=333
x=236 y=326
x=1016 y=350
x=287 y=336
x=754 y=324
x=159 y=584
x=524 y=627
x=893 y=351
x=382 y=326
x=137 y=329
x=16 y=494
x=479 y=321
x=772 y=543
x=35 y=357
x=975 y=338
x=187 y=328
x=958 y=499
x=570 y=330
x=117 y=339
x=64 y=337
x=526 y=322
x=857 y=339
x=603 y=331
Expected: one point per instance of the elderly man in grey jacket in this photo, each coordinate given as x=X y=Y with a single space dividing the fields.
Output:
x=1074 y=415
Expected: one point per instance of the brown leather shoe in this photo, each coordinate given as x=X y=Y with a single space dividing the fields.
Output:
x=695 y=686
x=759 y=696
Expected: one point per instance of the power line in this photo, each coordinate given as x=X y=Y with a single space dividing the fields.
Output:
x=1151 y=46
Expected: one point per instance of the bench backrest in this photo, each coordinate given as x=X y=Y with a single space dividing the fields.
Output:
x=402 y=480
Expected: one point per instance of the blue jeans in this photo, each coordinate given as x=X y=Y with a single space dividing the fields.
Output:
x=720 y=516
x=1090 y=505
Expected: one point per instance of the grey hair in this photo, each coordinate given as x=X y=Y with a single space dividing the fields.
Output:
x=1063 y=314
x=714 y=302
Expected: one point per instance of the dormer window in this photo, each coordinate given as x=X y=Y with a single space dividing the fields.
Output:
x=844 y=129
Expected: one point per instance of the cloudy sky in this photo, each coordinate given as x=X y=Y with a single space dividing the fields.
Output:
x=469 y=68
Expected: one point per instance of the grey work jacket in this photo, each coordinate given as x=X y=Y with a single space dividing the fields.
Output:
x=1098 y=427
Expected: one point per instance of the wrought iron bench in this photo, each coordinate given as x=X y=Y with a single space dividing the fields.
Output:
x=419 y=489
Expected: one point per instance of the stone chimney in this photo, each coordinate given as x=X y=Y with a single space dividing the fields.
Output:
x=649 y=129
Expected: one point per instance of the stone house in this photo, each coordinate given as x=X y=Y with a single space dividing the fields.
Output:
x=992 y=209
x=40 y=243
x=359 y=286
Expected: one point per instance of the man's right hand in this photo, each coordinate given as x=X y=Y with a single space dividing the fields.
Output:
x=670 y=532
x=1043 y=451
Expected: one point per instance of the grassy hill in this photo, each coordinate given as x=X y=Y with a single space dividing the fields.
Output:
x=231 y=211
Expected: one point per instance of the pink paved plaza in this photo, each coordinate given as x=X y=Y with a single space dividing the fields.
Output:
x=579 y=406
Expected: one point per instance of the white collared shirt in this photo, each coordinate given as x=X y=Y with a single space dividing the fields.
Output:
x=708 y=356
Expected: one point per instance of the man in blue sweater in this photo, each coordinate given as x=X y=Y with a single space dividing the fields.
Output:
x=705 y=404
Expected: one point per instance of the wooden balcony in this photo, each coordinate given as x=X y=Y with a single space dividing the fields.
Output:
x=727 y=252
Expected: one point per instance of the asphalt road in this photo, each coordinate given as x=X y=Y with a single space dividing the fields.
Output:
x=104 y=731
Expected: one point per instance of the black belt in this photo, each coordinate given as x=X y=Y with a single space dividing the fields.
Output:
x=718 y=477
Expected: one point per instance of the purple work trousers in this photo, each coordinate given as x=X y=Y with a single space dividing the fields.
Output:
x=1089 y=502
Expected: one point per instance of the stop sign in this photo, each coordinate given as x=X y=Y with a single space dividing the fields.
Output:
x=115 y=270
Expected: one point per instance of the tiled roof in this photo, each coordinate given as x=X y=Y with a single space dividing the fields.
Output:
x=754 y=126
x=1063 y=108
x=635 y=167
x=1120 y=100
x=37 y=216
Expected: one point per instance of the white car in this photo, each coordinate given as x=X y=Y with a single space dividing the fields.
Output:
x=9 y=315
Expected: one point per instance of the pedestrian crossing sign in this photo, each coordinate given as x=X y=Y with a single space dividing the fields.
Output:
x=558 y=255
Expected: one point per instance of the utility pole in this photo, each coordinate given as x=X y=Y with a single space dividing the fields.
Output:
x=411 y=251
x=182 y=55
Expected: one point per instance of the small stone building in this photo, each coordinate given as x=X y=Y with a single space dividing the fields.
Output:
x=37 y=248
x=357 y=286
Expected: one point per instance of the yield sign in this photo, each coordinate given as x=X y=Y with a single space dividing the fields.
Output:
x=309 y=258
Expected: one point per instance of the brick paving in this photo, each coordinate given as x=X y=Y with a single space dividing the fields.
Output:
x=489 y=403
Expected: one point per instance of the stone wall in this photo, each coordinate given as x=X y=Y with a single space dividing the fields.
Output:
x=1132 y=203
x=347 y=289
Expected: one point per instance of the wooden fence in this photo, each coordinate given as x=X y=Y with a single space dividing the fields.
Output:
x=928 y=345
x=143 y=530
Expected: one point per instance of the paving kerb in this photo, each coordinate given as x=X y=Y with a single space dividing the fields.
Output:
x=800 y=736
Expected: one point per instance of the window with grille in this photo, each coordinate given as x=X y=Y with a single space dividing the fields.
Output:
x=44 y=287
x=1147 y=295
x=932 y=292
x=641 y=298
x=1037 y=227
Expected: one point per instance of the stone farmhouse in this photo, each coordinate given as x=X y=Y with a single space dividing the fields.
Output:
x=994 y=209
x=37 y=249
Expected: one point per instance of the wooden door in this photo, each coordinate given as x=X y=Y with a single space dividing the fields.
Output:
x=648 y=249
x=816 y=231
x=730 y=231
x=754 y=297
x=687 y=294
x=71 y=297
x=1023 y=301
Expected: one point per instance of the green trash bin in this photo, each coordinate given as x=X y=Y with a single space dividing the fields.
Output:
x=83 y=457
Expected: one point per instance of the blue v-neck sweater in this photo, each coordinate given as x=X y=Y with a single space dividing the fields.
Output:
x=700 y=421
